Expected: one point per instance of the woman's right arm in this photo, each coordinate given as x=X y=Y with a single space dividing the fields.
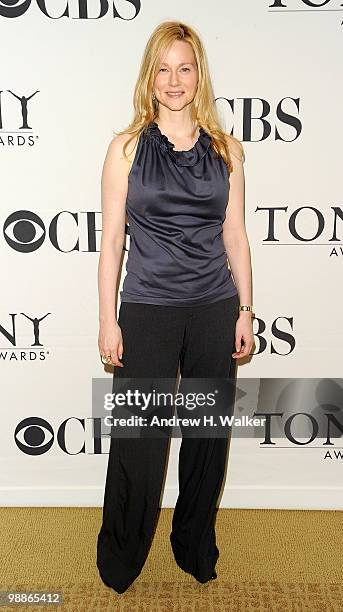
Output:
x=114 y=184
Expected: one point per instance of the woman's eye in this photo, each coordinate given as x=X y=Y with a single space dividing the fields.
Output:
x=184 y=68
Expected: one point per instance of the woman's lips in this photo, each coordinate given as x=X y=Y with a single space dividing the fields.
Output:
x=174 y=94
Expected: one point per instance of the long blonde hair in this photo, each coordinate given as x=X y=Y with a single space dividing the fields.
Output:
x=203 y=109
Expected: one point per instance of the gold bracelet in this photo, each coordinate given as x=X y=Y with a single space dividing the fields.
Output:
x=246 y=308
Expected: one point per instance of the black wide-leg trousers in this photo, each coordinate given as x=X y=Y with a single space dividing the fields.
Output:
x=156 y=340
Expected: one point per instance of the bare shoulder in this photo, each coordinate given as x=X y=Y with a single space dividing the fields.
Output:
x=116 y=146
x=116 y=165
x=235 y=149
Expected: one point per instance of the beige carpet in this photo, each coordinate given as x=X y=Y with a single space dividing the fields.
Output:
x=280 y=560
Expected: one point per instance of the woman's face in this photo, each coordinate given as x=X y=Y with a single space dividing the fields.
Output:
x=178 y=75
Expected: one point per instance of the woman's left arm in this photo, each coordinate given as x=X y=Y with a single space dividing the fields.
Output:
x=238 y=251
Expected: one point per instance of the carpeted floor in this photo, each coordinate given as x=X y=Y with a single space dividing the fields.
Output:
x=282 y=560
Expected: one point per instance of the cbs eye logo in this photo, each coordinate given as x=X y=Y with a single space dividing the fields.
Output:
x=34 y=436
x=24 y=231
x=13 y=8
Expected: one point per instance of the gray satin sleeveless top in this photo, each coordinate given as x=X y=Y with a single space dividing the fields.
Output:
x=176 y=204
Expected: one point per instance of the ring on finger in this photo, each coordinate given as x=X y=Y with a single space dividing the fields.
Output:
x=106 y=359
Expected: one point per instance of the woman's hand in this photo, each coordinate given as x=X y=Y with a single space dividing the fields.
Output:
x=244 y=335
x=110 y=342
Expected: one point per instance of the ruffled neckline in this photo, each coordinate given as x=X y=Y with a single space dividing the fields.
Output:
x=181 y=158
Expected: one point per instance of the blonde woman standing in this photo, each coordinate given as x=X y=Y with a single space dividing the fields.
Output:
x=182 y=188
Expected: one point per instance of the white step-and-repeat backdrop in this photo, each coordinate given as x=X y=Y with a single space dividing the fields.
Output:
x=68 y=69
